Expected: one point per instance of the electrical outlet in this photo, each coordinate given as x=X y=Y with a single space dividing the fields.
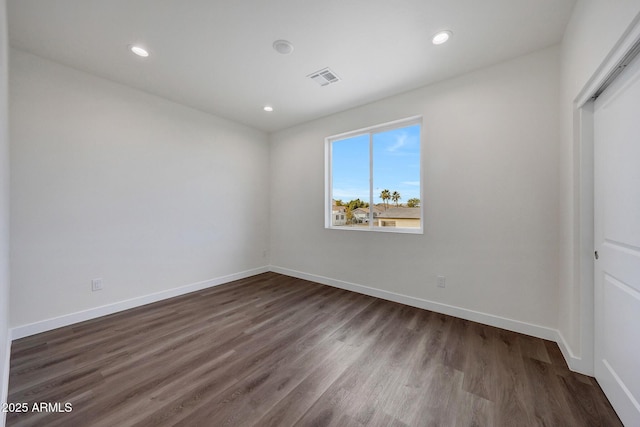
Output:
x=442 y=282
x=96 y=285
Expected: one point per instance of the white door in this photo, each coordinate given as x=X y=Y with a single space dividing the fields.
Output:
x=617 y=235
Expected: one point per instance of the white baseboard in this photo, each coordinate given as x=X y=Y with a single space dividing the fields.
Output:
x=5 y=378
x=92 y=313
x=576 y=364
x=463 y=313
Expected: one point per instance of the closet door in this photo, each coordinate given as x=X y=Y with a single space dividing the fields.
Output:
x=617 y=243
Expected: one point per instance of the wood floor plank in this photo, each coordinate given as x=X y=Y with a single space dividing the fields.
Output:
x=440 y=400
x=456 y=350
x=545 y=387
x=512 y=392
x=272 y=350
x=480 y=370
x=263 y=357
x=476 y=411
x=260 y=391
x=533 y=348
x=298 y=401
x=344 y=397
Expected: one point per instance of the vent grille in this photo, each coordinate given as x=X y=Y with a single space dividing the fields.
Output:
x=324 y=77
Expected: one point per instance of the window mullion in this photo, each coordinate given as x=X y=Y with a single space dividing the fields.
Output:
x=371 y=216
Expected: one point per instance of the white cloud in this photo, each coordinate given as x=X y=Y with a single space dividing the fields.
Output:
x=401 y=141
x=415 y=183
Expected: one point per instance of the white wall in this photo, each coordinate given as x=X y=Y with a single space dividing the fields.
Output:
x=490 y=183
x=4 y=210
x=595 y=28
x=110 y=182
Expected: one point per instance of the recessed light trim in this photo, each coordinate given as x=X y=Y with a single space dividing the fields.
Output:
x=441 y=37
x=139 y=50
x=283 y=46
x=268 y=108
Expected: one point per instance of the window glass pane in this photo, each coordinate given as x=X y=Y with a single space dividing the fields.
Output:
x=350 y=179
x=396 y=177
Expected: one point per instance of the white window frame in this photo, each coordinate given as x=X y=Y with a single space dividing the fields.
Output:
x=371 y=130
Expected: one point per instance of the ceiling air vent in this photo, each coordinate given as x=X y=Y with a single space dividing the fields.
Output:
x=324 y=77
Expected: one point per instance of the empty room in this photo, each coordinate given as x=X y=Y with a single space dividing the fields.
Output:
x=338 y=213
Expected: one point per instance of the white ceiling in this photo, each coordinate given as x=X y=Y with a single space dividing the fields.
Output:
x=217 y=55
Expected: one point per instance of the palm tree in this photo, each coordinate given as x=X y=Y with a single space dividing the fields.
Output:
x=385 y=195
x=395 y=197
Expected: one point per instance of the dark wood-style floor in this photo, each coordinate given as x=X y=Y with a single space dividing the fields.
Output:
x=272 y=350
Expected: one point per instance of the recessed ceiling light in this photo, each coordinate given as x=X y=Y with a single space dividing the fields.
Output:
x=441 y=37
x=140 y=51
x=283 y=46
x=268 y=108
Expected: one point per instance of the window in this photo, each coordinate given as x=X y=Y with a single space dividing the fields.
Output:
x=373 y=178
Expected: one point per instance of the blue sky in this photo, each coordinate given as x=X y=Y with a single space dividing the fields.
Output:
x=396 y=165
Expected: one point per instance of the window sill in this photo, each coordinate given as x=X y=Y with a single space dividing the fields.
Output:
x=396 y=230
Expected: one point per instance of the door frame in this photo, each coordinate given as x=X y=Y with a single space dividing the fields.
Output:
x=583 y=198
